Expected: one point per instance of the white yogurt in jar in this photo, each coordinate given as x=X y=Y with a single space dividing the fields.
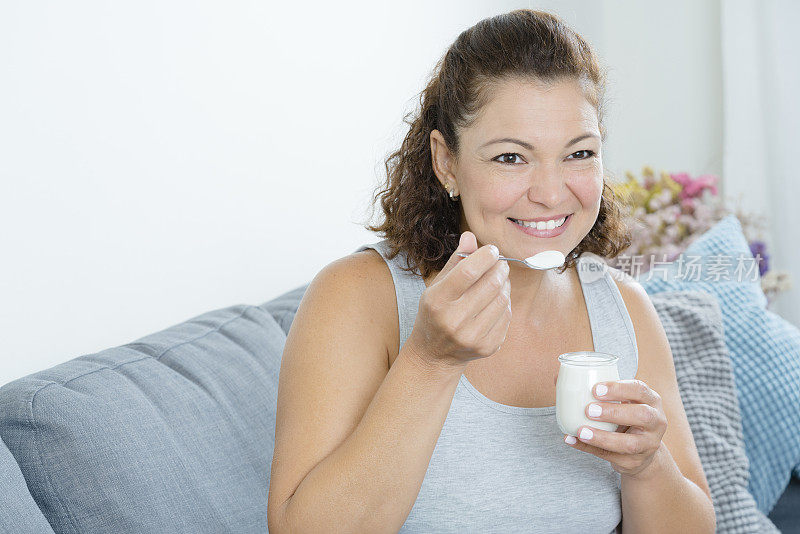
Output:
x=578 y=374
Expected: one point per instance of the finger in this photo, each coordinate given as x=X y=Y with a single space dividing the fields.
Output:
x=633 y=414
x=591 y=449
x=476 y=262
x=626 y=444
x=493 y=317
x=628 y=390
x=466 y=244
x=493 y=284
x=611 y=457
x=469 y=271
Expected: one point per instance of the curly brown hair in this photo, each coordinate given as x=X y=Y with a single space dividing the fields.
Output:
x=420 y=217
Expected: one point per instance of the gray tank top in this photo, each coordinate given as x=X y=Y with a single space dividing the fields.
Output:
x=501 y=468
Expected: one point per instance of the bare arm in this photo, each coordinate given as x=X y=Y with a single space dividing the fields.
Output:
x=371 y=481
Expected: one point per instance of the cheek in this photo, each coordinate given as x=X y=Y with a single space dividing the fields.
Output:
x=498 y=192
x=588 y=188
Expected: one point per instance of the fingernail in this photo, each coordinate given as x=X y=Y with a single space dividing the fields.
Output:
x=595 y=410
x=601 y=390
x=570 y=439
x=495 y=250
x=586 y=433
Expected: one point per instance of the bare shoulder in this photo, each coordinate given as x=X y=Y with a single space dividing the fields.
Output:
x=643 y=314
x=633 y=294
x=365 y=265
x=366 y=281
x=369 y=272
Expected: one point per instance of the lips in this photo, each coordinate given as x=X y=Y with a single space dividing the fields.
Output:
x=543 y=233
x=537 y=219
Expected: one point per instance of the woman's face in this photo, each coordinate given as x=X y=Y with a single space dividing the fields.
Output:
x=518 y=160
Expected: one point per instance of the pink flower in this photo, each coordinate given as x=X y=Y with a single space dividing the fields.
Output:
x=687 y=204
x=682 y=178
x=695 y=187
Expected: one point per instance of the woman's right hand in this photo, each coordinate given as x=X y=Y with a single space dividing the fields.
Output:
x=465 y=313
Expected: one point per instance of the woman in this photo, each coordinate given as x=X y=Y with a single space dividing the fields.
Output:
x=420 y=397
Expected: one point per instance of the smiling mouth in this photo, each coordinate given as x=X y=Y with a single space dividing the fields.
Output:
x=542 y=225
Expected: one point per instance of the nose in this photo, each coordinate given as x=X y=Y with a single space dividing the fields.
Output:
x=546 y=188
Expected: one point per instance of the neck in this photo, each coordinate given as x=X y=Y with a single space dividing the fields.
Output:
x=531 y=289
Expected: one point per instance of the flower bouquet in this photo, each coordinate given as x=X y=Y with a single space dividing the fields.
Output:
x=666 y=214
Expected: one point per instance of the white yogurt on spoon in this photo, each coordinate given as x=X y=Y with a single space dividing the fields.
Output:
x=547 y=259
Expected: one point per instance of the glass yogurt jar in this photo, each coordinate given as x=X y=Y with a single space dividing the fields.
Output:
x=578 y=374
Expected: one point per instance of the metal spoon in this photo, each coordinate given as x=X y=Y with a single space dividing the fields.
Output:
x=547 y=259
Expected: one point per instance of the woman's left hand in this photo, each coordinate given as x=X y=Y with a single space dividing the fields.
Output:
x=642 y=423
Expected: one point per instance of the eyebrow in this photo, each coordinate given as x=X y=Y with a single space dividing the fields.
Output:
x=530 y=147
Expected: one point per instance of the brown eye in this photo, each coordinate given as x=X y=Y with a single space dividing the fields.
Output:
x=589 y=152
x=502 y=158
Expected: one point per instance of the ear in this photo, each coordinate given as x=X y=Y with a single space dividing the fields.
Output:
x=442 y=159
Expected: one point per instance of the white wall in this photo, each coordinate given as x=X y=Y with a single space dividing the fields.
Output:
x=159 y=159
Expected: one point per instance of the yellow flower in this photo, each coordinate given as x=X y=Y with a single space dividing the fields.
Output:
x=674 y=186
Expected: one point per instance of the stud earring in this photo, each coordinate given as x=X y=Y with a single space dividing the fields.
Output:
x=452 y=195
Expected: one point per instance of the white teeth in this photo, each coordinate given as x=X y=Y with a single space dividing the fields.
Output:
x=544 y=225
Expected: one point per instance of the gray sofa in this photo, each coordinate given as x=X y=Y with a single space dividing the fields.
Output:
x=171 y=433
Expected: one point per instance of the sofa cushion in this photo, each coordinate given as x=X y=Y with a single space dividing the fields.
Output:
x=171 y=433
x=764 y=349
x=693 y=323
x=18 y=511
